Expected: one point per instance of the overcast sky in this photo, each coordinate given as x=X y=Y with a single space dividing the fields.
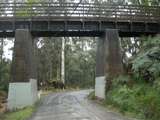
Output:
x=7 y=48
x=9 y=44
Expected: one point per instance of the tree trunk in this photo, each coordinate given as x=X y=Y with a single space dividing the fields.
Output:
x=2 y=44
x=63 y=61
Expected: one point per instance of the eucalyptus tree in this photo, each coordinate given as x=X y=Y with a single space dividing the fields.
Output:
x=80 y=61
x=49 y=59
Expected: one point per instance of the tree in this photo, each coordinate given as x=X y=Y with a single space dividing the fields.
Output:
x=49 y=56
x=80 y=61
x=146 y=64
x=63 y=61
x=4 y=68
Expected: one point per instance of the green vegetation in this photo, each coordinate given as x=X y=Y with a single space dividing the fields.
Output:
x=138 y=91
x=141 y=99
x=4 y=74
x=21 y=114
x=91 y=96
x=79 y=61
x=145 y=2
x=4 y=68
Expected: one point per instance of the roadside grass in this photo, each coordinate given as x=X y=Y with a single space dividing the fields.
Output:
x=91 y=96
x=141 y=101
x=111 y=107
x=21 y=114
x=3 y=97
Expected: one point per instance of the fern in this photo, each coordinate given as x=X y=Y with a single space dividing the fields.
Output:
x=148 y=59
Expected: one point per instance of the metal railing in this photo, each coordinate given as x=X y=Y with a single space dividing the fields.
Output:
x=80 y=11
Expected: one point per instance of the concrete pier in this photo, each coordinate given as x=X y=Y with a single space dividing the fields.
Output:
x=108 y=62
x=23 y=85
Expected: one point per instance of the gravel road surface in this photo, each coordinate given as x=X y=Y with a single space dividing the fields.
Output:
x=72 y=106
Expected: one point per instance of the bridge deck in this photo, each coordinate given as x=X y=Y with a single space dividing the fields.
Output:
x=78 y=19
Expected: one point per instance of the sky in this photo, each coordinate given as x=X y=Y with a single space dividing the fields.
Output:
x=7 y=52
x=8 y=45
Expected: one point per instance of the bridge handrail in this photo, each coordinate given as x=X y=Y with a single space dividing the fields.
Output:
x=83 y=10
x=91 y=3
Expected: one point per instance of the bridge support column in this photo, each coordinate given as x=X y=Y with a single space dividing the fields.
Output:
x=23 y=86
x=109 y=61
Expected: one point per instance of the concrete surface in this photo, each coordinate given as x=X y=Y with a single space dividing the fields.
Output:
x=22 y=94
x=100 y=87
x=72 y=106
x=108 y=58
x=23 y=63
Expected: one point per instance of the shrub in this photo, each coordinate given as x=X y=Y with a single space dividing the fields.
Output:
x=141 y=98
x=149 y=104
x=146 y=64
x=122 y=98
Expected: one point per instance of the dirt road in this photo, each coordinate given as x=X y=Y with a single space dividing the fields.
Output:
x=72 y=106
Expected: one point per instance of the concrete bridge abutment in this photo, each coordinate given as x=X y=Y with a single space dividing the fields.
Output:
x=23 y=85
x=108 y=61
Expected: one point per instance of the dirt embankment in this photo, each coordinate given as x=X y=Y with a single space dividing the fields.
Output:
x=3 y=101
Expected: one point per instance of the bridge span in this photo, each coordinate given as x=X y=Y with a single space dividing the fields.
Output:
x=78 y=19
x=24 y=21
